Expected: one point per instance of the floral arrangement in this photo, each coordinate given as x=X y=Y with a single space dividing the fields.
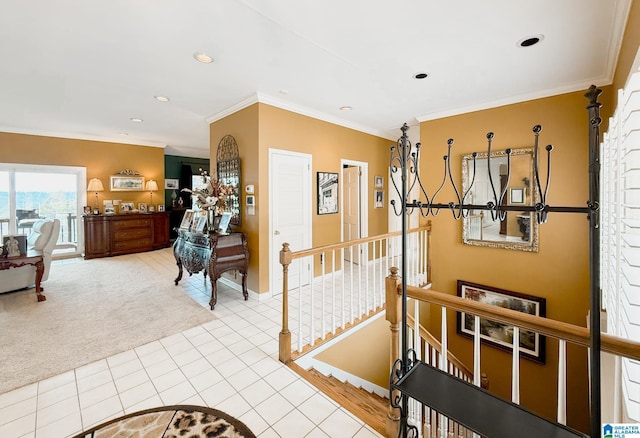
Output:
x=212 y=195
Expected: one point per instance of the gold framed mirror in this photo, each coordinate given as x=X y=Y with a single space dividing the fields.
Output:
x=518 y=230
x=228 y=173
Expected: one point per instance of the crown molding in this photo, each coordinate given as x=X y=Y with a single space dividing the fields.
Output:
x=511 y=100
x=298 y=109
x=119 y=139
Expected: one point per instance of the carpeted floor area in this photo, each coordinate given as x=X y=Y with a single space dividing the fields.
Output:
x=94 y=309
x=171 y=422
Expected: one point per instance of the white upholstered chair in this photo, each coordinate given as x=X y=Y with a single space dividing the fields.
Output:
x=43 y=238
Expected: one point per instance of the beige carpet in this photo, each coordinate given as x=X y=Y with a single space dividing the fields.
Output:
x=94 y=309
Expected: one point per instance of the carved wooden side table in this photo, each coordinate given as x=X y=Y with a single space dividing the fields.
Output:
x=33 y=258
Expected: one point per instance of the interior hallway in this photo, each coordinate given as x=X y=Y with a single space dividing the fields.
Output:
x=230 y=364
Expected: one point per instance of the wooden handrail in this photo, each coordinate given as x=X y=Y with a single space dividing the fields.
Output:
x=341 y=245
x=555 y=329
x=431 y=340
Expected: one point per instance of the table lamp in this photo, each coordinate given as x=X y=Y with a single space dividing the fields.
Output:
x=95 y=185
x=151 y=187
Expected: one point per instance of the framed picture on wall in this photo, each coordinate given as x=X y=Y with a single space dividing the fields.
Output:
x=378 y=181
x=532 y=344
x=378 y=199
x=122 y=183
x=327 y=192
x=171 y=184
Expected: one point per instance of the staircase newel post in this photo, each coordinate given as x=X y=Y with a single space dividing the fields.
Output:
x=393 y=296
x=285 y=334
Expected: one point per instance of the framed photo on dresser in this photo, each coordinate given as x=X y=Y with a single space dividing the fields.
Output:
x=186 y=220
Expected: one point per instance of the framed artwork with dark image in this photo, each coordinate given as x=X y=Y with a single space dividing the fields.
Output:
x=327 y=192
x=532 y=344
x=378 y=182
x=160 y=207
x=378 y=199
x=87 y=209
x=171 y=184
x=142 y=207
x=126 y=207
x=15 y=246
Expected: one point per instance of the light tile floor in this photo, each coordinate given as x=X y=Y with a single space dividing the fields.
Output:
x=230 y=364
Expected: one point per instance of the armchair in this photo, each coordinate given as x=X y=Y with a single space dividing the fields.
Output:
x=42 y=239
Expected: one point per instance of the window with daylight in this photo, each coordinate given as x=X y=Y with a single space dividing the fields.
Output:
x=31 y=192
x=620 y=232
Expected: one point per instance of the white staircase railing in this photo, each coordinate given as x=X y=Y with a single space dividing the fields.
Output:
x=348 y=289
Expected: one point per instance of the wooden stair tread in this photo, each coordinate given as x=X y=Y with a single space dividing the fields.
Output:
x=368 y=407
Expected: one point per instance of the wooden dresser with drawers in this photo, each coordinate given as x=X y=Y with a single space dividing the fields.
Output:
x=111 y=235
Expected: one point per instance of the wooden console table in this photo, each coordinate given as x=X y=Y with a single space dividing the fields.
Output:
x=127 y=233
x=214 y=254
x=33 y=258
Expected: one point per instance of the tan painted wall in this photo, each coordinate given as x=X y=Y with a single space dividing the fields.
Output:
x=101 y=160
x=243 y=126
x=357 y=350
x=559 y=272
x=261 y=127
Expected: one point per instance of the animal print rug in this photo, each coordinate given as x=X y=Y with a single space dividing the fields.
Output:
x=172 y=422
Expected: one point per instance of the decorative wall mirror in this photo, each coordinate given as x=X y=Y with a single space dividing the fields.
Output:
x=228 y=173
x=519 y=229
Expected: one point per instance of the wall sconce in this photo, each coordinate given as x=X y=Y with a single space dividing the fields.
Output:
x=151 y=187
x=95 y=185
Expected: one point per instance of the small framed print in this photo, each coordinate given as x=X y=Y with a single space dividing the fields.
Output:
x=378 y=199
x=171 y=184
x=199 y=223
x=142 y=207
x=109 y=209
x=186 y=220
x=126 y=207
x=87 y=209
x=151 y=209
x=378 y=182
x=15 y=246
x=160 y=207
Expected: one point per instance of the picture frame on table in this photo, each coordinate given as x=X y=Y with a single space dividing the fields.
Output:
x=327 y=192
x=185 y=224
x=199 y=224
x=126 y=207
x=161 y=208
x=224 y=222
x=109 y=209
x=15 y=245
x=499 y=335
x=87 y=209
x=142 y=207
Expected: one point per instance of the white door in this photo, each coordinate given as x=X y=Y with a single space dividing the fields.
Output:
x=290 y=214
x=351 y=207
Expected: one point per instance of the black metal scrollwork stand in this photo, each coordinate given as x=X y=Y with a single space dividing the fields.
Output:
x=405 y=161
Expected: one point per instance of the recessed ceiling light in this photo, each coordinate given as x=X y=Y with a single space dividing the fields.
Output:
x=161 y=98
x=203 y=57
x=420 y=75
x=345 y=108
x=136 y=119
x=530 y=40
x=283 y=91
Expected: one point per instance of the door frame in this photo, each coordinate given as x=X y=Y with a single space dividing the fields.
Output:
x=308 y=206
x=364 y=199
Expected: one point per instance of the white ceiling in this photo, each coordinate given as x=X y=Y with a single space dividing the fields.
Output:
x=83 y=68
